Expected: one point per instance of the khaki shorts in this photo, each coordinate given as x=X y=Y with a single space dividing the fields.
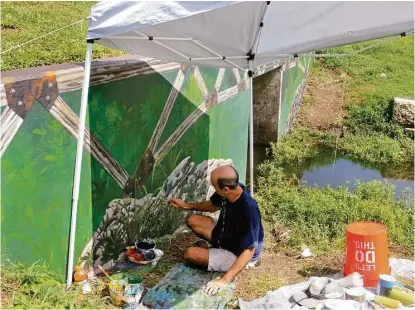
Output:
x=220 y=260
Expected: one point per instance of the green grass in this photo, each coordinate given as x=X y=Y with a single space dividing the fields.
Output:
x=317 y=217
x=395 y=59
x=36 y=287
x=259 y=286
x=22 y=21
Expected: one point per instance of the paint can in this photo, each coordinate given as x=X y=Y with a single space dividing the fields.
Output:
x=356 y=293
x=385 y=285
x=367 y=251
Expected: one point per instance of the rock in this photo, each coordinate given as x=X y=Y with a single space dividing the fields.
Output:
x=383 y=75
x=404 y=112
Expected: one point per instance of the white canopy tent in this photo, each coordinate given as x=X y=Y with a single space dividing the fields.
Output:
x=247 y=35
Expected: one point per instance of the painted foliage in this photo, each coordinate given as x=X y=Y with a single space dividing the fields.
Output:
x=148 y=141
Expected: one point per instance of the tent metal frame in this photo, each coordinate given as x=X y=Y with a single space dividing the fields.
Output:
x=157 y=40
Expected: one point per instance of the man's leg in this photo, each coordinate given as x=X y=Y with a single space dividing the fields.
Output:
x=201 y=225
x=197 y=256
x=214 y=259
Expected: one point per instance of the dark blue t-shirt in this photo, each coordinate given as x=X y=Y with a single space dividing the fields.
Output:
x=239 y=225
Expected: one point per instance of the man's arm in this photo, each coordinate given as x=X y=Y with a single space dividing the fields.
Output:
x=243 y=259
x=205 y=206
x=213 y=287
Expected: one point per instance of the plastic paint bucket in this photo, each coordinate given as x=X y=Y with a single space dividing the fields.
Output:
x=367 y=251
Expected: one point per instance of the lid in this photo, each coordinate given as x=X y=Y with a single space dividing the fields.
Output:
x=366 y=228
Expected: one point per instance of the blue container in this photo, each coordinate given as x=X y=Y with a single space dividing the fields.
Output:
x=385 y=285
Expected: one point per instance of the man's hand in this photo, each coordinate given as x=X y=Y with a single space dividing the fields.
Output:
x=179 y=204
x=215 y=286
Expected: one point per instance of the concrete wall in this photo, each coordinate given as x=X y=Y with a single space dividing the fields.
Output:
x=277 y=95
x=266 y=106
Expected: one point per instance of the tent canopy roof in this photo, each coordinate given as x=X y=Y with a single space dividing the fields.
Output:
x=222 y=34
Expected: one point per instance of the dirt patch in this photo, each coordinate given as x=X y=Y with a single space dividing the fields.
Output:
x=322 y=106
x=396 y=250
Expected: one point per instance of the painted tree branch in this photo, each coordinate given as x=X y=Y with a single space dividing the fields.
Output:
x=214 y=99
x=3 y=97
x=201 y=83
x=109 y=71
x=67 y=117
x=10 y=124
x=237 y=75
x=161 y=124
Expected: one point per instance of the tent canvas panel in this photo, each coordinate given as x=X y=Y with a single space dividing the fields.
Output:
x=230 y=28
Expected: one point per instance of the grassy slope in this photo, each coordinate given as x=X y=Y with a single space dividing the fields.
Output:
x=22 y=21
x=395 y=59
x=371 y=134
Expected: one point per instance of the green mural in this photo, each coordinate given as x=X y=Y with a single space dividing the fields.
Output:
x=293 y=83
x=202 y=136
x=36 y=183
x=123 y=116
x=229 y=131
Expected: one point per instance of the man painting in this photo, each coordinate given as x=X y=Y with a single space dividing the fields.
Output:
x=237 y=238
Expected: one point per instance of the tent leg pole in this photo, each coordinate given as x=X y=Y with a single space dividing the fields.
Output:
x=251 y=132
x=78 y=161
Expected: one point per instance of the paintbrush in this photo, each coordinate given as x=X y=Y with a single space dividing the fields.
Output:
x=105 y=273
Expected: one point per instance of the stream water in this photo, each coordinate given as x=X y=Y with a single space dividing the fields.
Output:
x=324 y=170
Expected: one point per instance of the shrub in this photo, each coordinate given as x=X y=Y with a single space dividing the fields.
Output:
x=318 y=216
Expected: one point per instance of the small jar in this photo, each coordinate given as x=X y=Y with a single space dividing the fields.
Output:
x=80 y=274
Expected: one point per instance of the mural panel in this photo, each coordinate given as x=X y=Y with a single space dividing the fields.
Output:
x=151 y=134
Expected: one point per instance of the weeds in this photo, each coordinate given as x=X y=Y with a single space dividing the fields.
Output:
x=318 y=217
x=36 y=287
